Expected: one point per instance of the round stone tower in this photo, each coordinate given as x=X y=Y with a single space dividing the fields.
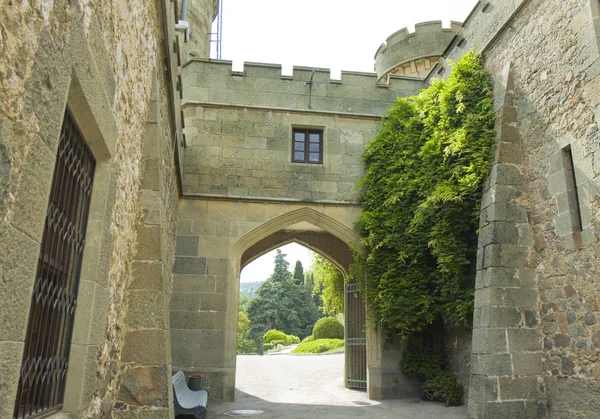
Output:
x=414 y=54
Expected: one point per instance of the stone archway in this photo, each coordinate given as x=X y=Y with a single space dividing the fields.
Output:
x=215 y=239
x=323 y=235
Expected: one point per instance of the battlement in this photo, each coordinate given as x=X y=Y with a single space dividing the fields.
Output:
x=299 y=73
x=264 y=85
x=403 y=49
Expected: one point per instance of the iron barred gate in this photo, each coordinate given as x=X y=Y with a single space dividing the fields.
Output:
x=356 y=341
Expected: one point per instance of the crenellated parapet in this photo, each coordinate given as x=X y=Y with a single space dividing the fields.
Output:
x=264 y=85
x=414 y=54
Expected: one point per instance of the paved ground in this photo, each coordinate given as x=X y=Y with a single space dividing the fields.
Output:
x=295 y=387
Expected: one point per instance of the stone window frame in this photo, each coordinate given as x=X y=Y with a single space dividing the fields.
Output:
x=53 y=254
x=307 y=131
x=80 y=85
x=569 y=187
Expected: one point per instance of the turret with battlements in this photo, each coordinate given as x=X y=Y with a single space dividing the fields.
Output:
x=414 y=54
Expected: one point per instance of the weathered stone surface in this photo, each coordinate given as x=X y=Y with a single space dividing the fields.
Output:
x=147 y=275
x=148 y=309
x=145 y=346
x=149 y=243
x=527 y=364
x=145 y=386
x=567 y=396
x=187 y=245
x=18 y=260
x=519 y=388
x=190 y=265
x=10 y=362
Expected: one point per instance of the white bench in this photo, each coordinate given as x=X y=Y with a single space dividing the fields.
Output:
x=188 y=402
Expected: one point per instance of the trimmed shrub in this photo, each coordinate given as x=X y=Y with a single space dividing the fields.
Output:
x=328 y=328
x=278 y=342
x=308 y=339
x=291 y=339
x=272 y=335
x=318 y=346
x=267 y=346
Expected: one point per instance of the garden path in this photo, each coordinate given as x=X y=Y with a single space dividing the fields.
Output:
x=311 y=386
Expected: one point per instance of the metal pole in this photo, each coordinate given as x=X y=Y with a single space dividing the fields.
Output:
x=183 y=9
x=310 y=85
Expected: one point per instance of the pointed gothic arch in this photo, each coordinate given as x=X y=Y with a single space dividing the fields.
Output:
x=329 y=226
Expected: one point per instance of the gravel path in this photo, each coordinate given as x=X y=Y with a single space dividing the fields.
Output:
x=288 y=386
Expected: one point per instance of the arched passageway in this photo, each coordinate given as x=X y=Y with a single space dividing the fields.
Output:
x=215 y=239
x=332 y=240
x=339 y=254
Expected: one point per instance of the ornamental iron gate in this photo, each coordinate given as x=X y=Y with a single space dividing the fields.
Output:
x=48 y=340
x=356 y=341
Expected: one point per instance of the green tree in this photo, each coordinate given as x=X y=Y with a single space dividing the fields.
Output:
x=244 y=303
x=309 y=279
x=298 y=273
x=245 y=345
x=282 y=304
x=281 y=273
x=329 y=285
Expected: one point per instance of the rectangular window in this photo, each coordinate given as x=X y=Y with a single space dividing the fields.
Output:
x=48 y=339
x=307 y=146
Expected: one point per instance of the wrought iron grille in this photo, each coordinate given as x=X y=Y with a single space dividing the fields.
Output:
x=48 y=340
x=356 y=340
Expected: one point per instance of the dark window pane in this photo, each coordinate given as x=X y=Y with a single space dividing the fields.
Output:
x=314 y=157
x=299 y=136
x=299 y=155
x=314 y=147
x=299 y=146
x=314 y=138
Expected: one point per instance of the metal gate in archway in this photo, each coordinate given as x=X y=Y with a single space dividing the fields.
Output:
x=356 y=340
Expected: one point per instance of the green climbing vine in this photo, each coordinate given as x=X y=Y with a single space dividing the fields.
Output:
x=421 y=196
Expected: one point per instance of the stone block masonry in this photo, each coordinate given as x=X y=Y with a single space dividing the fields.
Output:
x=536 y=335
x=543 y=362
x=99 y=60
x=239 y=130
x=215 y=239
x=413 y=53
x=506 y=360
x=248 y=154
x=213 y=81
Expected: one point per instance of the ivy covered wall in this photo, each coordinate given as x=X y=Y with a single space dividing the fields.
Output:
x=421 y=196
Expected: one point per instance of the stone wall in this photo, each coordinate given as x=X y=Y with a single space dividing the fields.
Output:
x=251 y=198
x=263 y=85
x=413 y=54
x=200 y=15
x=458 y=351
x=214 y=237
x=247 y=152
x=97 y=58
x=535 y=343
x=239 y=130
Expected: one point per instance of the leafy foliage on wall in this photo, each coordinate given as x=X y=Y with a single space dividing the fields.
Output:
x=328 y=285
x=421 y=196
